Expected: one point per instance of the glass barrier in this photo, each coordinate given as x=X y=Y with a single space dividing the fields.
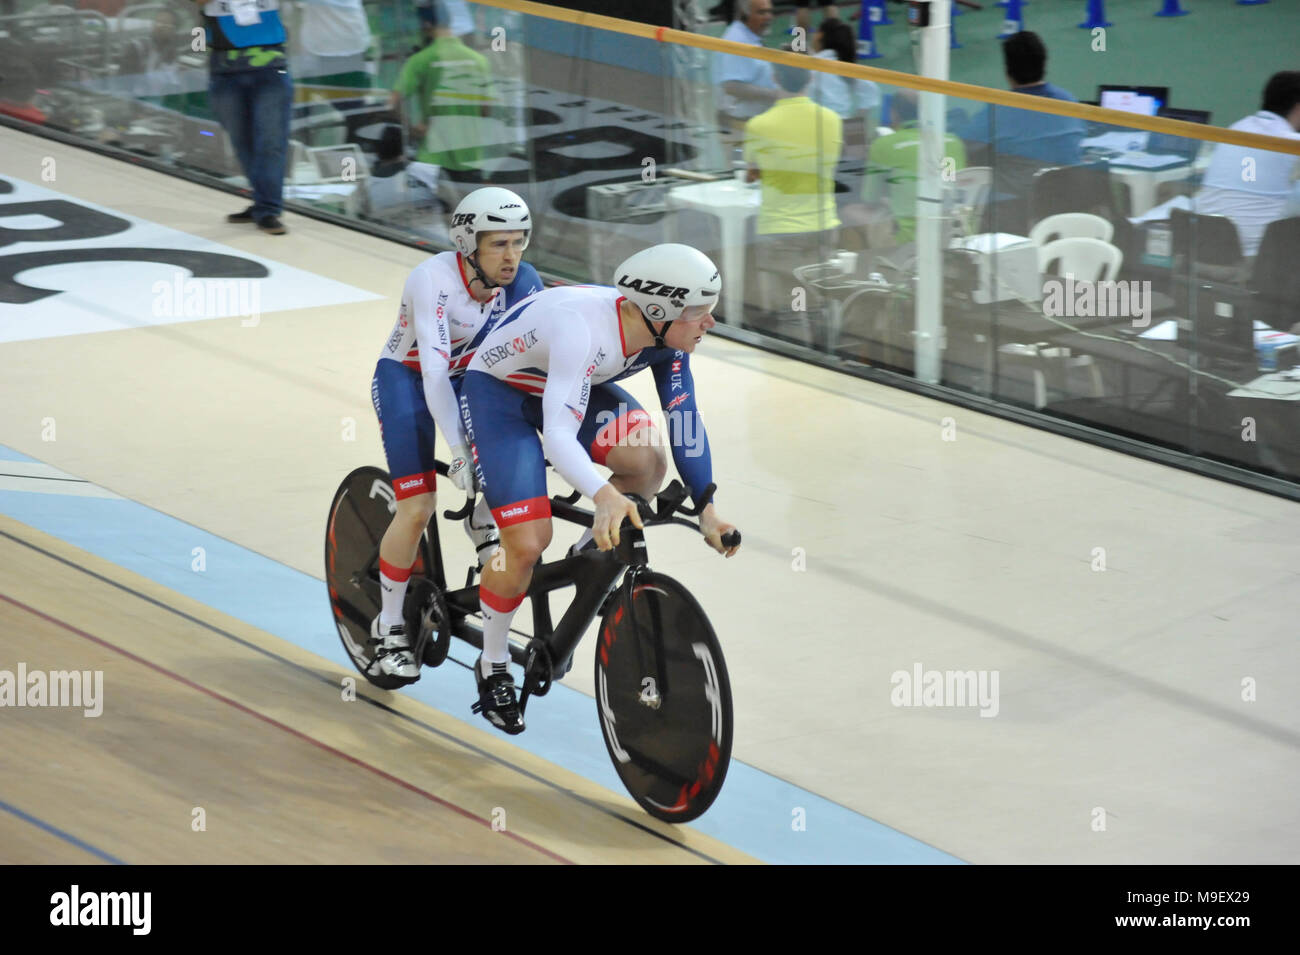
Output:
x=1142 y=283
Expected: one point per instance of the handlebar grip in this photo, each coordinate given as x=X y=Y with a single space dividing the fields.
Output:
x=731 y=539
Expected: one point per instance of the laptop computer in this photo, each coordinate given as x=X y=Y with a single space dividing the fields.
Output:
x=344 y=163
x=1166 y=144
x=1146 y=100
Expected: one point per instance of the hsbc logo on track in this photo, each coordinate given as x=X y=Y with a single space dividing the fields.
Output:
x=70 y=267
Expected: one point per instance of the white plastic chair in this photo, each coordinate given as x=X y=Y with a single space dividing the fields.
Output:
x=1069 y=225
x=1088 y=260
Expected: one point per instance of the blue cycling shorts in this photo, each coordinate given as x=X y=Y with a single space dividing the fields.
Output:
x=503 y=425
x=406 y=427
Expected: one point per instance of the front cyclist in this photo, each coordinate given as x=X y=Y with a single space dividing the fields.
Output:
x=549 y=365
x=449 y=303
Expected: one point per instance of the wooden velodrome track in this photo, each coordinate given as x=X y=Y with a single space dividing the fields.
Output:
x=1120 y=689
x=204 y=712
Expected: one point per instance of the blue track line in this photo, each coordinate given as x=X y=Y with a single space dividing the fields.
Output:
x=56 y=831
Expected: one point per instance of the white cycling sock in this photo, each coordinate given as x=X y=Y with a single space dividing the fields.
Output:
x=392 y=587
x=587 y=535
x=497 y=611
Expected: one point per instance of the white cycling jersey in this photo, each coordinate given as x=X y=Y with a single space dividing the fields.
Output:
x=559 y=344
x=439 y=326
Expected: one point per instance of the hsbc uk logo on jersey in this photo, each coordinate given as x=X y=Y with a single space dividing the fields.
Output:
x=516 y=346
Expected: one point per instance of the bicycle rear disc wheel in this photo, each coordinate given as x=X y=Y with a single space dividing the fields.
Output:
x=363 y=506
x=664 y=699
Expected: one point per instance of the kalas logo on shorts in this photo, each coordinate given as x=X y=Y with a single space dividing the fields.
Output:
x=516 y=346
x=514 y=511
x=407 y=485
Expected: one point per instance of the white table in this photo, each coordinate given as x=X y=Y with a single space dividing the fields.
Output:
x=733 y=203
x=1144 y=183
x=1278 y=386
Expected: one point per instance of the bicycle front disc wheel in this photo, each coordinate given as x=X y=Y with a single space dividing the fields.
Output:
x=664 y=699
x=359 y=515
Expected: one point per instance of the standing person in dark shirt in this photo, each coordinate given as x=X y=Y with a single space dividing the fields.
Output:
x=251 y=92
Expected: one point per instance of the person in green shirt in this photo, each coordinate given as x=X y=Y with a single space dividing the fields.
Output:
x=446 y=89
x=892 y=168
x=793 y=148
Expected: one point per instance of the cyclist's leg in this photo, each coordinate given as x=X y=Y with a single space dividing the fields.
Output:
x=619 y=434
x=512 y=475
x=407 y=430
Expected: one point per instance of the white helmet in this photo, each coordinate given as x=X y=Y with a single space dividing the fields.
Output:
x=665 y=280
x=491 y=209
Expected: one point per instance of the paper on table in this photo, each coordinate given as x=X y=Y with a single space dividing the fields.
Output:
x=1118 y=142
x=1161 y=212
x=1148 y=160
x=1164 y=332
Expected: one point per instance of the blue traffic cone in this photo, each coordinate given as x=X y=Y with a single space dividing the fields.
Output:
x=1015 y=20
x=866 y=37
x=1097 y=16
x=879 y=13
x=1172 y=9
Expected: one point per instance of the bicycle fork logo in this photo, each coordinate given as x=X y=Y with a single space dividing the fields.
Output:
x=711 y=691
x=607 y=718
x=381 y=489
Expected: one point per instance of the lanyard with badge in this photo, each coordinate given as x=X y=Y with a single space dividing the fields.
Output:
x=247 y=13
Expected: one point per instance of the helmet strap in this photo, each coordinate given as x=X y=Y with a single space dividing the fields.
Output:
x=658 y=335
x=472 y=259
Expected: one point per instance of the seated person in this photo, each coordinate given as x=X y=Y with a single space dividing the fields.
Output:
x=746 y=85
x=793 y=148
x=852 y=100
x=892 y=167
x=1272 y=192
x=1020 y=142
x=1045 y=137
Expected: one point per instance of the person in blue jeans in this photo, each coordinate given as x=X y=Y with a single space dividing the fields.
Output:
x=251 y=93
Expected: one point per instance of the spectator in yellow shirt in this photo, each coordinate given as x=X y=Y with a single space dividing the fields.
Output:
x=792 y=148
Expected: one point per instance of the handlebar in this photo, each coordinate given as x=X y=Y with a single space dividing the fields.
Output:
x=668 y=502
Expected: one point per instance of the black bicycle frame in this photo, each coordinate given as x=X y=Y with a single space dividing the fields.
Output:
x=594 y=574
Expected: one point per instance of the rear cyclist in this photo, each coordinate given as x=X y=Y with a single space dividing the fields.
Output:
x=549 y=364
x=449 y=304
